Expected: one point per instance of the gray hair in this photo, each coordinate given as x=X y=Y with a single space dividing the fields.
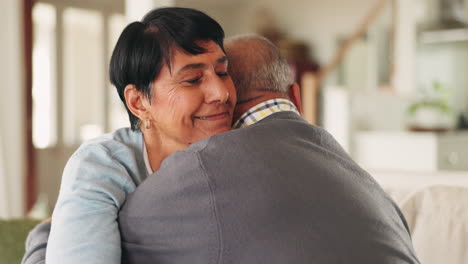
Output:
x=255 y=63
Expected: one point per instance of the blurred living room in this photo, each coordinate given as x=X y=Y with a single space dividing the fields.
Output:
x=387 y=78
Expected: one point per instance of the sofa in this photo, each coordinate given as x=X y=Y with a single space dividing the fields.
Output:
x=13 y=235
x=435 y=205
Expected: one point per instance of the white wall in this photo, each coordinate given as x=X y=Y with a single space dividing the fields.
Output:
x=12 y=121
x=319 y=23
x=405 y=48
x=136 y=9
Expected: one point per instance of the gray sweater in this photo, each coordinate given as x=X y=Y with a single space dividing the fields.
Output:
x=279 y=191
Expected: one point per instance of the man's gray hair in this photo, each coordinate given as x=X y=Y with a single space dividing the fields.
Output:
x=255 y=63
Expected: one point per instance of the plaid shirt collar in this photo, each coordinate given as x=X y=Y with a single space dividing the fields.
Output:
x=263 y=110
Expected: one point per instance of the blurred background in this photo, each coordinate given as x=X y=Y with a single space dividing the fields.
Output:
x=388 y=78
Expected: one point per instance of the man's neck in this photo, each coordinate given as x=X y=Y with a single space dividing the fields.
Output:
x=265 y=109
x=253 y=99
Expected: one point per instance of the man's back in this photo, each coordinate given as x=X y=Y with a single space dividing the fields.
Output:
x=279 y=191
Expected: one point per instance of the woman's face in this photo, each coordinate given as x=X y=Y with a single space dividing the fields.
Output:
x=194 y=99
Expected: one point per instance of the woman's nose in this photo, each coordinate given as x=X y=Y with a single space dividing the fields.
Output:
x=217 y=91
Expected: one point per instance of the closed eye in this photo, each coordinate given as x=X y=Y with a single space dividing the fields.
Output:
x=193 y=81
x=222 y=74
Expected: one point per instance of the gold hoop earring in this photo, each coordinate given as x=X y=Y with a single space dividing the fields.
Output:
x=147 y=124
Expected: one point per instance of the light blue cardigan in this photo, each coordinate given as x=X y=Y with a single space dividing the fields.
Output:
x=95 y=183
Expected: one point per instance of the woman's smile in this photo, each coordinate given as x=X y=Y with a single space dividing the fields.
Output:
x=214 y=117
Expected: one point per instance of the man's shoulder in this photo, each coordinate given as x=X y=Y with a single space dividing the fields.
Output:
x=274 y=125
x=283 y=126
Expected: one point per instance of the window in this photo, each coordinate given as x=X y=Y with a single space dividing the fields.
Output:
x=44 y=87
x=72 y=98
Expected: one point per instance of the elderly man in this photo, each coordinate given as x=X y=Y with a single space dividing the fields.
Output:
x=278 y=190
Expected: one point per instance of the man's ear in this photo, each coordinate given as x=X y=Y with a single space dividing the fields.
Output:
x=136 y=101
x=295 y=96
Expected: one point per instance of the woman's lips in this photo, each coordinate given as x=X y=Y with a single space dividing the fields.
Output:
x=214 y=117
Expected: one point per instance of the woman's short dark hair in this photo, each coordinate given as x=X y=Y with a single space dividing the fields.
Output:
x=144 y=47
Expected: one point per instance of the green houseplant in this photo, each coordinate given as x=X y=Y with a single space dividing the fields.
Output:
x=432 y=110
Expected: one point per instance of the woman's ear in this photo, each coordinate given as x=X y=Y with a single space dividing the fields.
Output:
x=136 y=101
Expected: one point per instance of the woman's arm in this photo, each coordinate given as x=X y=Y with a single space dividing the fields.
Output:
x=85 y=230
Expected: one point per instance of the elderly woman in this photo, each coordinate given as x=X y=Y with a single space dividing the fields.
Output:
x=170 y=72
